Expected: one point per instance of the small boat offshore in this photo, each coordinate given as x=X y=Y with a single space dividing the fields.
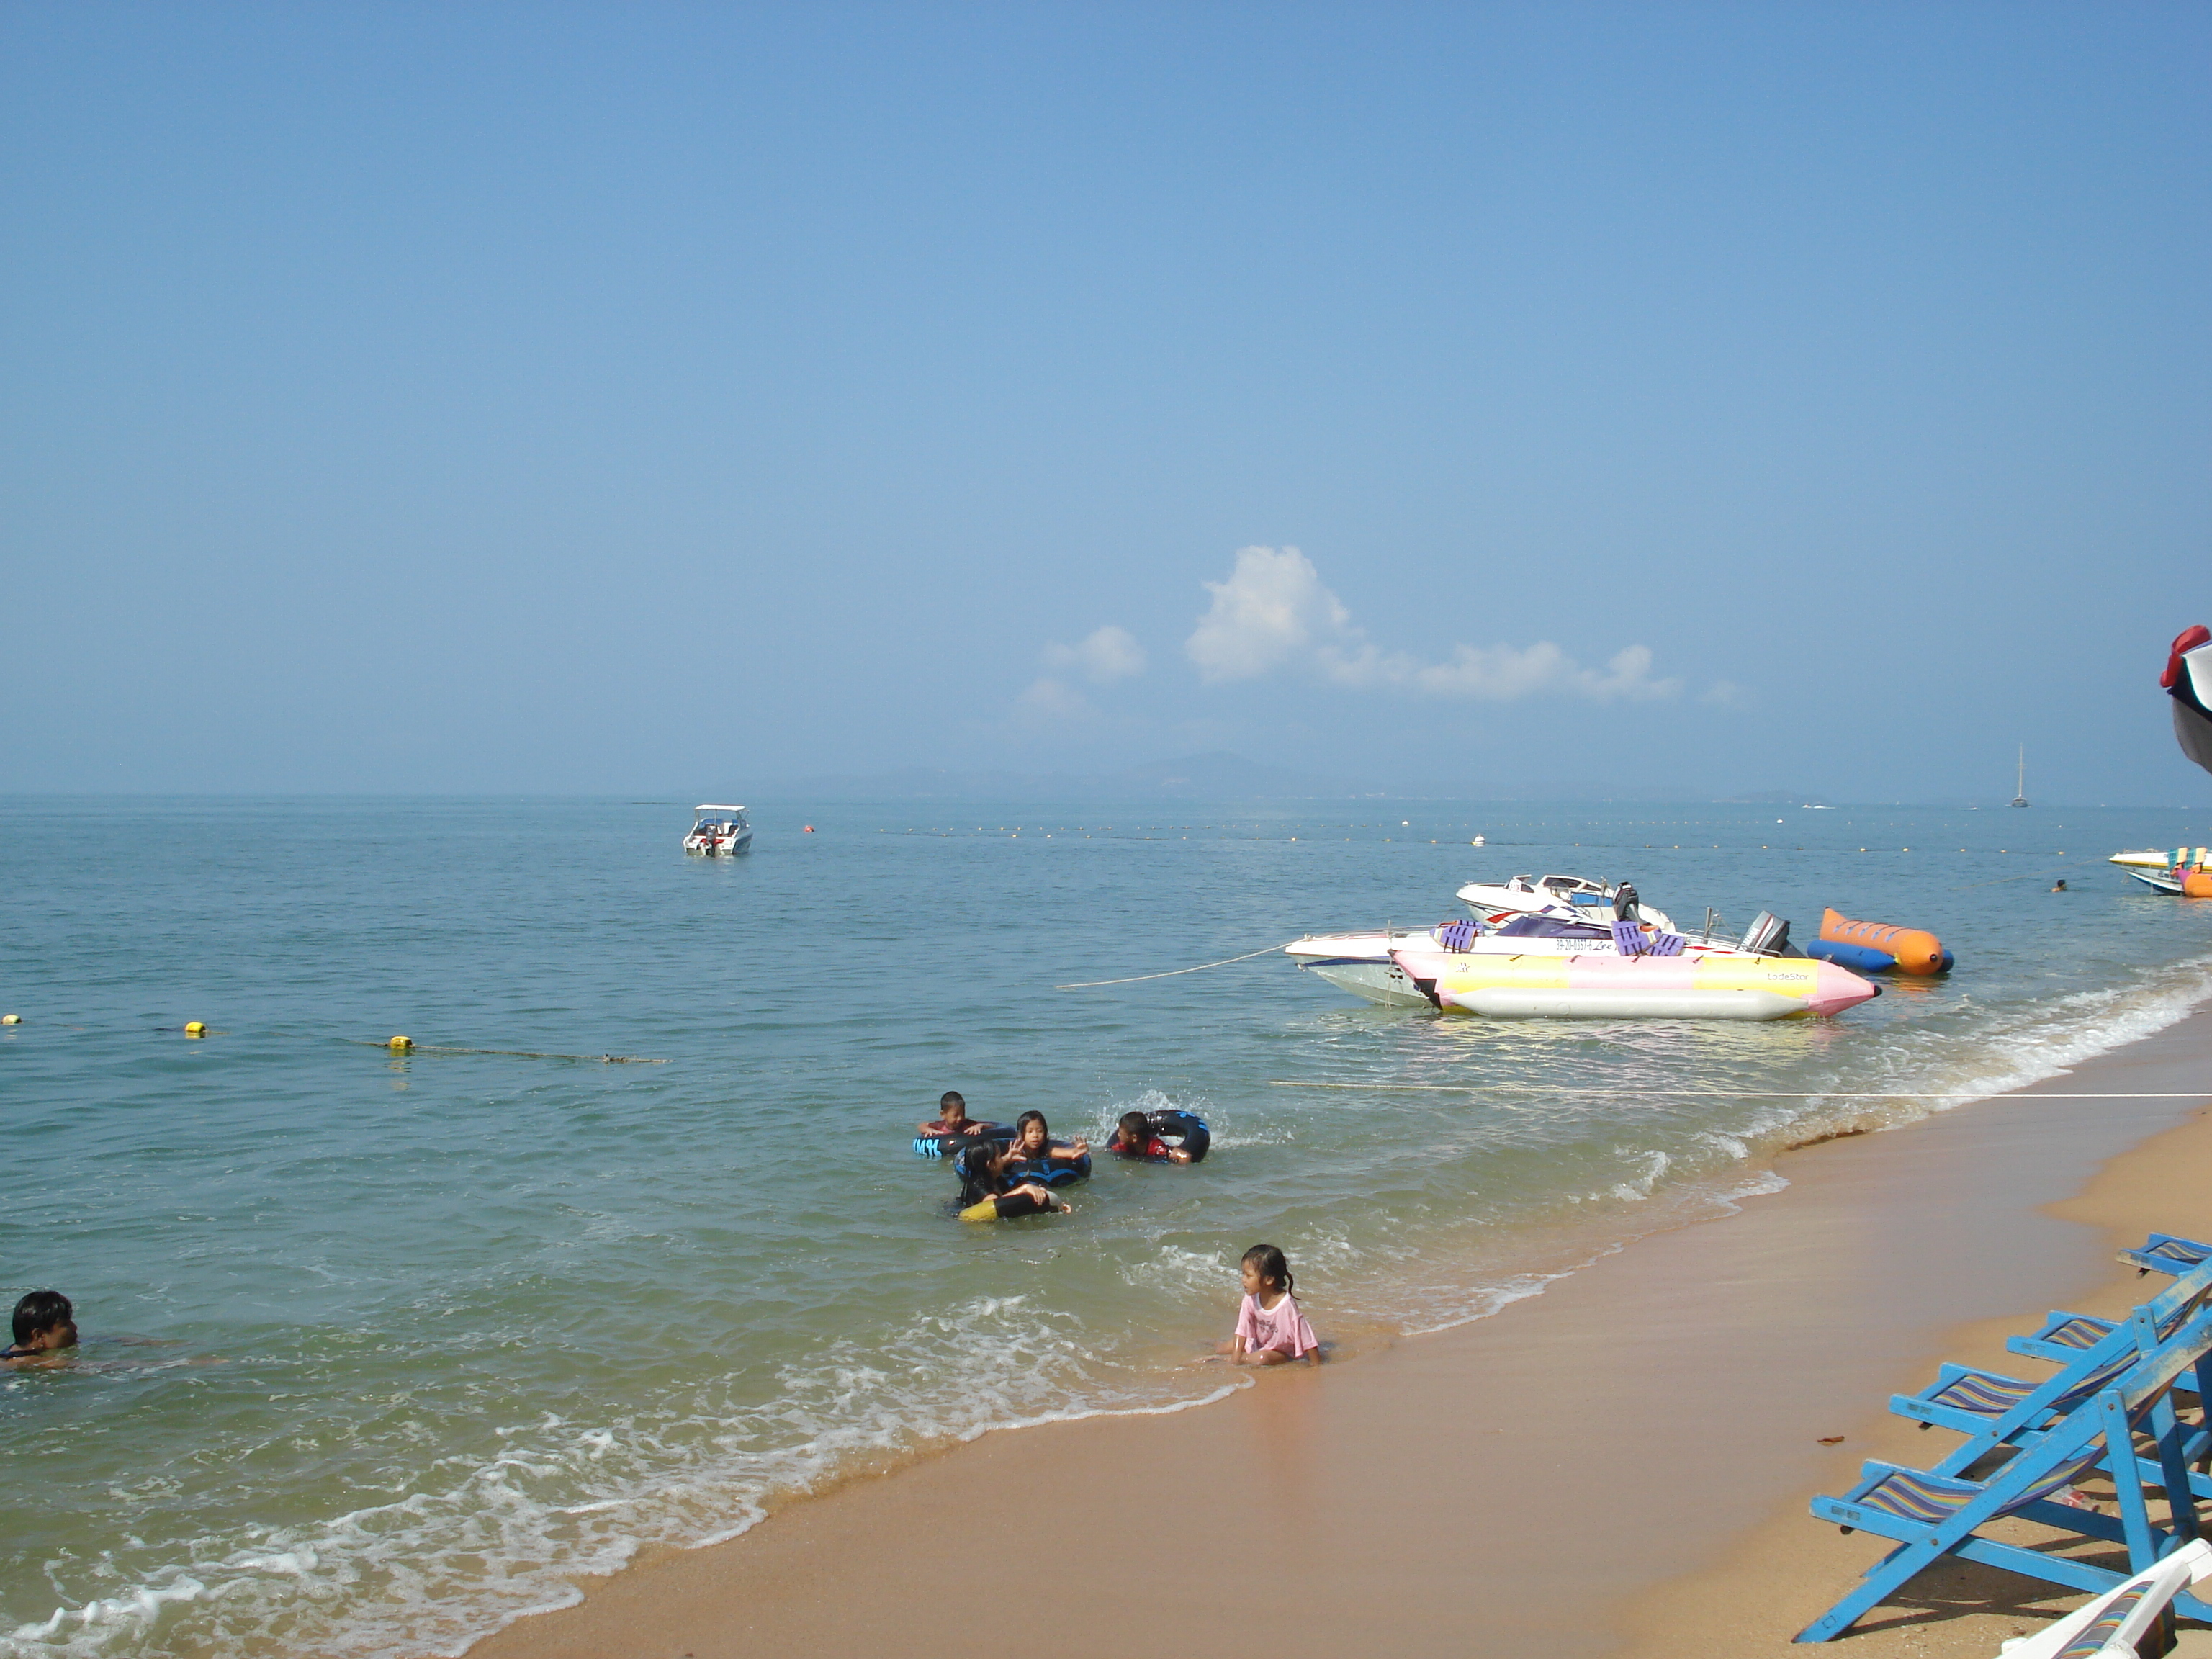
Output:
x=1721 y=985
x=719 y=830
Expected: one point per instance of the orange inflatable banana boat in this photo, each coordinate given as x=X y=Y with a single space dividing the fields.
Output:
x=1869 y=947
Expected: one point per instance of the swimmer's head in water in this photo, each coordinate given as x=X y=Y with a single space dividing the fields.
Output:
x=953 y=1107
x=1030 y=1132
x=1134 y=1129
x=44 y=1319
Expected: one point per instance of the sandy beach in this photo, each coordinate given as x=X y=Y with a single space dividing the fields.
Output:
x=1620 y=1465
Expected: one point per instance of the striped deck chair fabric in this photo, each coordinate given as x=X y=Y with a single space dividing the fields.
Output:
x=2168 y=1254
x=1916 y=1495
x=2082 y=1331
x=1457 y=936
x=2109 y=1626
x=1986 y=1394
x=1629 y=939
x=2096 y=1637
x=1665 y=945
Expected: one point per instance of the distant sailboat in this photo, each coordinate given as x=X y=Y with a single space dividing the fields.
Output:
x=2019 y=787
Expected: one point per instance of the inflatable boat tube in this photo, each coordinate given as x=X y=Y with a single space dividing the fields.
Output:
x=1185 y=1131
x=947 y=1145
x=1718 y=986
x=1870 y=947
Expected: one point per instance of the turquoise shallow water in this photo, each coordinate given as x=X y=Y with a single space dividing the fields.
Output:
x=415 y=1340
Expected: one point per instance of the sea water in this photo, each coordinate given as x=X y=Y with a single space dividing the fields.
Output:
x=383 y=1350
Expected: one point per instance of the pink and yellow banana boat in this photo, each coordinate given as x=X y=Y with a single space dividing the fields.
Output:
x=1722 y=986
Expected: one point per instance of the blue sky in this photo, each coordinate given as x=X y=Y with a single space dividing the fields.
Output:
x=658 y=398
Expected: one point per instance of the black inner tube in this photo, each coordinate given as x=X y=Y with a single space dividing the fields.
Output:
x=1188 y=1131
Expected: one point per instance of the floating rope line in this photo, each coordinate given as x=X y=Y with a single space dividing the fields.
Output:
x=511 y=1054
x=1089 y=984
x=2001 y=880
x=1717 y=1094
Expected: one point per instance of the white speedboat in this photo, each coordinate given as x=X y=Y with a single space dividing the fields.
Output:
x=1367 y=963
x=719 y=830
x=1560 y=895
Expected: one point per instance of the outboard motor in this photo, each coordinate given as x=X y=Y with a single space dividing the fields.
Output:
x=1768 y=935
x=1626 y=904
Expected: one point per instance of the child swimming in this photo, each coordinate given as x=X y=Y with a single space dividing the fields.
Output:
x=992 y=1187
x=1134 y=1137
x=952 y=1118
x=1271 y=1329
x=1034 y=1147
x=44 y=1325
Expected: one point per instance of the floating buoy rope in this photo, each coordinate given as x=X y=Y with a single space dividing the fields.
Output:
x=406 y=1045
x=1089 y=984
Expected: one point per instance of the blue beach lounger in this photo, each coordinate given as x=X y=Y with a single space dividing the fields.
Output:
x=1931 y=1514
x=2166 y=1254
x=1991 y=1409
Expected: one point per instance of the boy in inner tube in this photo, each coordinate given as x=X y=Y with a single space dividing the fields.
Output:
x=1133 y=1137
x=952 y=1118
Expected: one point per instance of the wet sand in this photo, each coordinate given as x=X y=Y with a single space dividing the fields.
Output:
x=1620 y=1465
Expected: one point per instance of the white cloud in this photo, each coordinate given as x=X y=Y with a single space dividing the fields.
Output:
x=1109 y=654
x=1273 y=612
x=1268 y=612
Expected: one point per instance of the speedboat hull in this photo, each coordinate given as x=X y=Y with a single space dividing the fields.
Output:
x=1361 y=963
x=712 y=846
x=1379 y=981
x=1720 y=986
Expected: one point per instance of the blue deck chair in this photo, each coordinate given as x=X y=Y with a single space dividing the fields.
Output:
x=1991 y=1409
x=1931 y=1515
x=2166 y=1254
x=2112 y=1625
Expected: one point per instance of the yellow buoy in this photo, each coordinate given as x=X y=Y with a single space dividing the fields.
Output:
x=195 y=1028
x=400 y=1045
x=11 y=1019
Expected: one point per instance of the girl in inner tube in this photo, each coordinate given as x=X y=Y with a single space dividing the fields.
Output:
x=1033 y=1148
x=992 y=1187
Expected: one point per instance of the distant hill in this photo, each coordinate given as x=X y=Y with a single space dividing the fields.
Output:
x=1216 y=776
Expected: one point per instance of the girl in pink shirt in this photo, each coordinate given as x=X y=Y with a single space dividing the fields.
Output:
x=1270 y=1328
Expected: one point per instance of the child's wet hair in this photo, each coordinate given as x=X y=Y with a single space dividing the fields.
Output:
x=1268 y=1263
x=1023 y=1122
x=1136 y=1128
x=41 y=1310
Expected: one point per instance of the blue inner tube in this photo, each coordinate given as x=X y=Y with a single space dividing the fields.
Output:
x=1041 y=1170
x=1050 y=1171
x=1185 y=1131
x=1047 y=1172
x=946 y=1145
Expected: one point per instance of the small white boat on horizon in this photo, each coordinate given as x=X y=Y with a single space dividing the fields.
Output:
x=719 y=830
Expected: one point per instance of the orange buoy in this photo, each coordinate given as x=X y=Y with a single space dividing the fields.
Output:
x=810 y=828
x=1911 y=950
x=2197 y=883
